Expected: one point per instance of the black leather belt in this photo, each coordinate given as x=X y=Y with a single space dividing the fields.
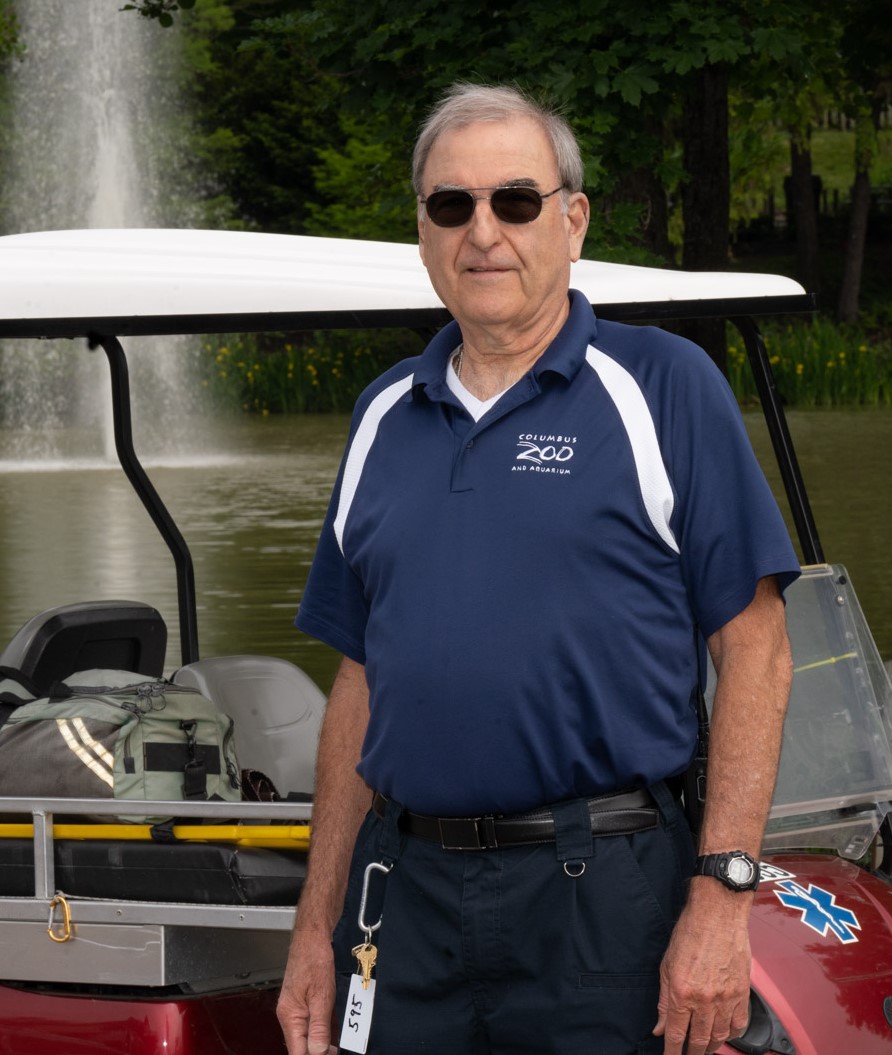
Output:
x=622 y=813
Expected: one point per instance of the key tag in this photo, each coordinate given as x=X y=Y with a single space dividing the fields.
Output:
x=361 y=995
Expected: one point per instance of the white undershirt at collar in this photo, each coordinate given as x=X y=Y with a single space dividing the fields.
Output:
x=474 y=406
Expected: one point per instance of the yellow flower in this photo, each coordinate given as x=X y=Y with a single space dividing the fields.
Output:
x=799 y=369
x=774 y=360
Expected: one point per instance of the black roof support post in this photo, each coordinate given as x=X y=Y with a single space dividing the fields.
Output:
x=775 y=418
x=163 y=521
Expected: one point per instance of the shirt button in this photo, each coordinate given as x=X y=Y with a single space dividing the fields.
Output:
x=470 y=444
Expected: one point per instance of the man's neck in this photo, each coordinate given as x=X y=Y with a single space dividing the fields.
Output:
x=491 y=362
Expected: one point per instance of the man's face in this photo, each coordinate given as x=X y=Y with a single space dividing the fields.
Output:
x=492 y=274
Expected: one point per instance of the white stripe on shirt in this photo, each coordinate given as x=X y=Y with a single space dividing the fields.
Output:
x=360 y=447
x=653 y=480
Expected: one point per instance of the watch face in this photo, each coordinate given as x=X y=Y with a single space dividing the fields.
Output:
x=740 y=871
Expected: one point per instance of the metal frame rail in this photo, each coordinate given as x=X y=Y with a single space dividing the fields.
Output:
x=59 y=938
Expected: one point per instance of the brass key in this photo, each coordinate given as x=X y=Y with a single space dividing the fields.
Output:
x=366 y=954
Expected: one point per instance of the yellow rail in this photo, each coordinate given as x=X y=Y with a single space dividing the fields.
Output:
x=274 y=836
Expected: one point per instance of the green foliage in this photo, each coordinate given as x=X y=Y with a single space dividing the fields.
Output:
x=818 y=364
x=264 y=111
x=162 y=10
x=298 y=373
x=363 y=185
x=307 y=108
x=815 y=363
x=10 y=45
x=619 y=72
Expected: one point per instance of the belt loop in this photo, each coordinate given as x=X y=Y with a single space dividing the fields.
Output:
x=389 y=843
x=666 y=801
x=572 y=834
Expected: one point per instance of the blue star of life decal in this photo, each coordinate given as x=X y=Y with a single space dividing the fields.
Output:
x=819 y=910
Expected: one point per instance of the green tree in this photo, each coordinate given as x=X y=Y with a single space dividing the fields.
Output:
x=647 y=87
x=866 y=53
x=263 y=112
x=308 y=108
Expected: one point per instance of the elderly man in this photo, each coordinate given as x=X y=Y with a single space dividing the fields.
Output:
x=537 y=524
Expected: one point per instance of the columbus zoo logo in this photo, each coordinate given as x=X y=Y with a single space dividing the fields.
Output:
x=544 y=453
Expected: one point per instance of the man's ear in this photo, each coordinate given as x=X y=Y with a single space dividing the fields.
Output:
x=421 y=235
x=577 y=223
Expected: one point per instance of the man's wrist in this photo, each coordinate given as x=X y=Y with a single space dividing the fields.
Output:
x=737 y=870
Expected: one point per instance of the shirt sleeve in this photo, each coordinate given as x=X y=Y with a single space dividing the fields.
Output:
x=333 y=607
x=730 y=530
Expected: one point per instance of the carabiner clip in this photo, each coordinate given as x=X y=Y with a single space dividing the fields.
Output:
x=366 y=928
x=52 y=923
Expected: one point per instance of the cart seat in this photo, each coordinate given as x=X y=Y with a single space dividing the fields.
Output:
x=109 y=635
x=277 y=710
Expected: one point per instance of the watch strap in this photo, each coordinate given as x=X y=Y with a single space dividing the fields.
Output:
x=717 y=867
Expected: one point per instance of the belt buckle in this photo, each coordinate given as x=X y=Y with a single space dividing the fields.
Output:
x=468 y=833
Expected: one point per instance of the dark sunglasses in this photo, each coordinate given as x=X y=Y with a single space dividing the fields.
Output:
x=454 y=208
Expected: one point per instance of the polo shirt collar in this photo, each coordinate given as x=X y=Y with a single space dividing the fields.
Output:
x=565 y=355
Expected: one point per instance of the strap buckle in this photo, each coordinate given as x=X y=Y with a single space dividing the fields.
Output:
x=468 y=833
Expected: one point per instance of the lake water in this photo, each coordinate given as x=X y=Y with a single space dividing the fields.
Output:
x=251 y=516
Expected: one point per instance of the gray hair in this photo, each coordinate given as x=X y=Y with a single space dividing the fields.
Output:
x=466 y=104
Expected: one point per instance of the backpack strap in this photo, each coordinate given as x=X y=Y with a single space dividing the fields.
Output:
x=15 y=675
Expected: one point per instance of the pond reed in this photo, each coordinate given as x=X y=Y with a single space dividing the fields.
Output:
x=816 y=364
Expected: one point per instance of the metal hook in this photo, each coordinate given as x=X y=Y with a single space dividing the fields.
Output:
x=367 y=928
x=65 y=934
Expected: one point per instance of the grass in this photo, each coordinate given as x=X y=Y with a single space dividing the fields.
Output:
x=832 y=154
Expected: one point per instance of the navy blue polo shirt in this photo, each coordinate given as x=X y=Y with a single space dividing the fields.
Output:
x=523 y=590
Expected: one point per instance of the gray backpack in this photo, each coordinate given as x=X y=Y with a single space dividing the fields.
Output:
x=115 y=734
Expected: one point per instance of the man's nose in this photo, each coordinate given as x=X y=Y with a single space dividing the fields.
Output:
x=485 y=229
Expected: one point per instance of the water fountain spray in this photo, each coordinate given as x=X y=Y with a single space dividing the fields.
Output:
x=96 y=123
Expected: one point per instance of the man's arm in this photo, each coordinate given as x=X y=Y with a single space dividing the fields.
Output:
x=704 y=989
x=340 y=803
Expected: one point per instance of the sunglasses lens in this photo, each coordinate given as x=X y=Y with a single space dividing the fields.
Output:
x=453 y=208
x=516 y=204
x=450 y=208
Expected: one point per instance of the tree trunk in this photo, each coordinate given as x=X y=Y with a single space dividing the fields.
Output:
x=642 y=187
x=853 y=253
x=805 y=214
x=706 y=195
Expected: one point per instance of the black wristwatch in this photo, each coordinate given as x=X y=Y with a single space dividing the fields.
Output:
x=737 y=870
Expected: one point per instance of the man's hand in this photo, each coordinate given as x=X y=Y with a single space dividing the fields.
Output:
x=341 y=801
x=704 y=977
x=306 y=1002
x=705 y=974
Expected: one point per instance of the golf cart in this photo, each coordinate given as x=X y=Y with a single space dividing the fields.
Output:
x=115 y=941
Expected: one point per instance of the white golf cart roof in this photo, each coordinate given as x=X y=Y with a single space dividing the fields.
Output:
x=138 y=281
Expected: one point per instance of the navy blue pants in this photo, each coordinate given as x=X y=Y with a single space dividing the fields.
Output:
x=502 y=952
